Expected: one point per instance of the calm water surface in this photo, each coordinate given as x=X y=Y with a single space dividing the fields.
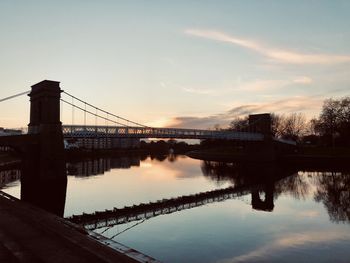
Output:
x=295 y=216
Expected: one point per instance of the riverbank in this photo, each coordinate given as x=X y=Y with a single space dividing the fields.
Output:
x=218 y=155
x=303 y=155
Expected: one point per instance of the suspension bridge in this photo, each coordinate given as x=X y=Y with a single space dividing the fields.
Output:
x=115 y=125
x=45 y=127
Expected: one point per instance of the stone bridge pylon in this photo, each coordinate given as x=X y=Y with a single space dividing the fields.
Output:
x=46 y=124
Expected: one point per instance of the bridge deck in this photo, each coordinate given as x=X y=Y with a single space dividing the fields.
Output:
x=79 y=131
x=29 y=234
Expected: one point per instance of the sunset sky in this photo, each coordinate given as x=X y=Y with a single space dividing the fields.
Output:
x=186 y=63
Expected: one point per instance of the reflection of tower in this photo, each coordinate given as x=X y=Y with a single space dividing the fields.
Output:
x=266 y=204
x=46 y=192
x=49 y=195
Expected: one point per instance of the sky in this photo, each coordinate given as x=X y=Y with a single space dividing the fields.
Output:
x=191 y=64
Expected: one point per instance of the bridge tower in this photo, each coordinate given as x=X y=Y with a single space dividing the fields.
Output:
x=261 y=123
x=262 y=151
x=45 y=122
x=45 y=107
x=44 y=179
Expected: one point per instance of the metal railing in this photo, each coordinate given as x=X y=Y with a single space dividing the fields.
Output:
x=79 y=131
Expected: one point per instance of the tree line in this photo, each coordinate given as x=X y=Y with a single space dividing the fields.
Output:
x=331 y=128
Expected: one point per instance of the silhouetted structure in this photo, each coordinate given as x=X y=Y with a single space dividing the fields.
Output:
x=267 y=204
x=43 y=179
x=45 y=122
x=49 y=195
x=261 y=123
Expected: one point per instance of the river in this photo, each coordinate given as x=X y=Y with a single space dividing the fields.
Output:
x=283 y=214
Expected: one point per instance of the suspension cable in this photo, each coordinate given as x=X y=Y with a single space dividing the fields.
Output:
x=14 y=96
x=85 y=114
x=73 y=110
x=61 y=110
x=94 y=114
x=136 y=123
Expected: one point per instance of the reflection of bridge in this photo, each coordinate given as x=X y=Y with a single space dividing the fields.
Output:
x=99 y=166
x=8 y=176
x=124 y=215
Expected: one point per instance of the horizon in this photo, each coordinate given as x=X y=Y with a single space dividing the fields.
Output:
x=180 y=64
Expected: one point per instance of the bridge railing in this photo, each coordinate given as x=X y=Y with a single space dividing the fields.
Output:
x=86 y=131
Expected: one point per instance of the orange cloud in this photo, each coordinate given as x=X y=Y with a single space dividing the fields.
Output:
x=294 y=104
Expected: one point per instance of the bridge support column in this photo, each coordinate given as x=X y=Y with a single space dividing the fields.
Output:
x=44 y=179
x=262 y=151
x=45 y=121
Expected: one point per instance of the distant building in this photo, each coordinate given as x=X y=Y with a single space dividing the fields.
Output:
x=6 y=132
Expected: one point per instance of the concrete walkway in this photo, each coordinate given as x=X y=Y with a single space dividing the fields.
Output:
x=30 y=234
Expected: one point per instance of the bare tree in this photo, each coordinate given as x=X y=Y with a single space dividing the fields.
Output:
x=277 y=125
x=292 y=126
x=239 y=124
x=334 y=121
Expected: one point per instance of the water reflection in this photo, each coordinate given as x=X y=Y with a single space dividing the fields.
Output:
x=9 y=176
x=44 y=185
x=201 y=204
x=333 y=190
x=99 y=166
x=271 y=179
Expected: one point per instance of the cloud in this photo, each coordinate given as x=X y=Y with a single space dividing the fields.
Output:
x=294 y=104
x=199 y=91
x=289 y=240
x=258 y=85
x=303 y=80
x=261 y=85
x=276 y=54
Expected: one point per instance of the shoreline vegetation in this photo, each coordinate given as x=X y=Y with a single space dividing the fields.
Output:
x=219 y=152
x=302 y=155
